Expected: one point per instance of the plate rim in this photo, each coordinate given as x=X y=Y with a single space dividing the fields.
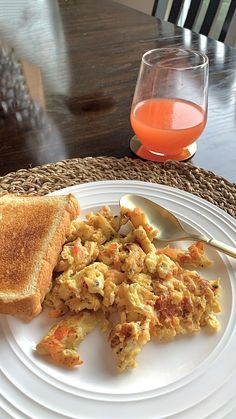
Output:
x=70 y=189
x=141 y=183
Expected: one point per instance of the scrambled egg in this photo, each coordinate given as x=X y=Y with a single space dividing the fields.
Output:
x=153 y=293
x=62 y=340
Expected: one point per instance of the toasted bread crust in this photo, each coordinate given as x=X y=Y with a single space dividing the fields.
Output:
x=23 y=297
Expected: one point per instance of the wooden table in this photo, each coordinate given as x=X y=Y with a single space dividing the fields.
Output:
x=89 y=53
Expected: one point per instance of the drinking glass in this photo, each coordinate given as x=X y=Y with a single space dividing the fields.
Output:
x=169 y=108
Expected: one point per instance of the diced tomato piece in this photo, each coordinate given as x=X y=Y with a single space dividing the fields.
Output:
x=60 y=332
x=54 y=313
x=75 y=250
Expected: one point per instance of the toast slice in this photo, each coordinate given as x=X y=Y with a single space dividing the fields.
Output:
x=32 y=233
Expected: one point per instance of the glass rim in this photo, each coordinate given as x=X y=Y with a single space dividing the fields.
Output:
x=193 y=67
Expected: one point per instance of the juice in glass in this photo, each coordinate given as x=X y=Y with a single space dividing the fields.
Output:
x=167 y=125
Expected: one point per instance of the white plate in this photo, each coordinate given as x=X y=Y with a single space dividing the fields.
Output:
x=190 y=377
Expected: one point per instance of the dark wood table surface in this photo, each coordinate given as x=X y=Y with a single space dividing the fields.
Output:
x=89 y=54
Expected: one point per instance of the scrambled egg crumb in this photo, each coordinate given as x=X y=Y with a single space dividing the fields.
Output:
x=152 y=293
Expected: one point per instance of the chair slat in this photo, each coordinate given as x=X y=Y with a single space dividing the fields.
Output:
x=219 y=19
x=161 y=8
x=227 y=21
x=231 y=34
x=200 y=15
x=175 y=10
x=155 y=8
x=192 y=13
x=209 y=18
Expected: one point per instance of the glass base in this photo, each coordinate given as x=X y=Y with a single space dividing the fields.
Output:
x=139 y=150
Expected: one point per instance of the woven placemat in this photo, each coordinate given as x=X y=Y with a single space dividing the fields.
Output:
x=51 y=177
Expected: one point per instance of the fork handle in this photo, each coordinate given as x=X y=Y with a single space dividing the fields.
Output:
x=222 y=247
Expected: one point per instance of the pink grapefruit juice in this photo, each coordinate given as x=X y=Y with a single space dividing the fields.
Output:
x=167 y=125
